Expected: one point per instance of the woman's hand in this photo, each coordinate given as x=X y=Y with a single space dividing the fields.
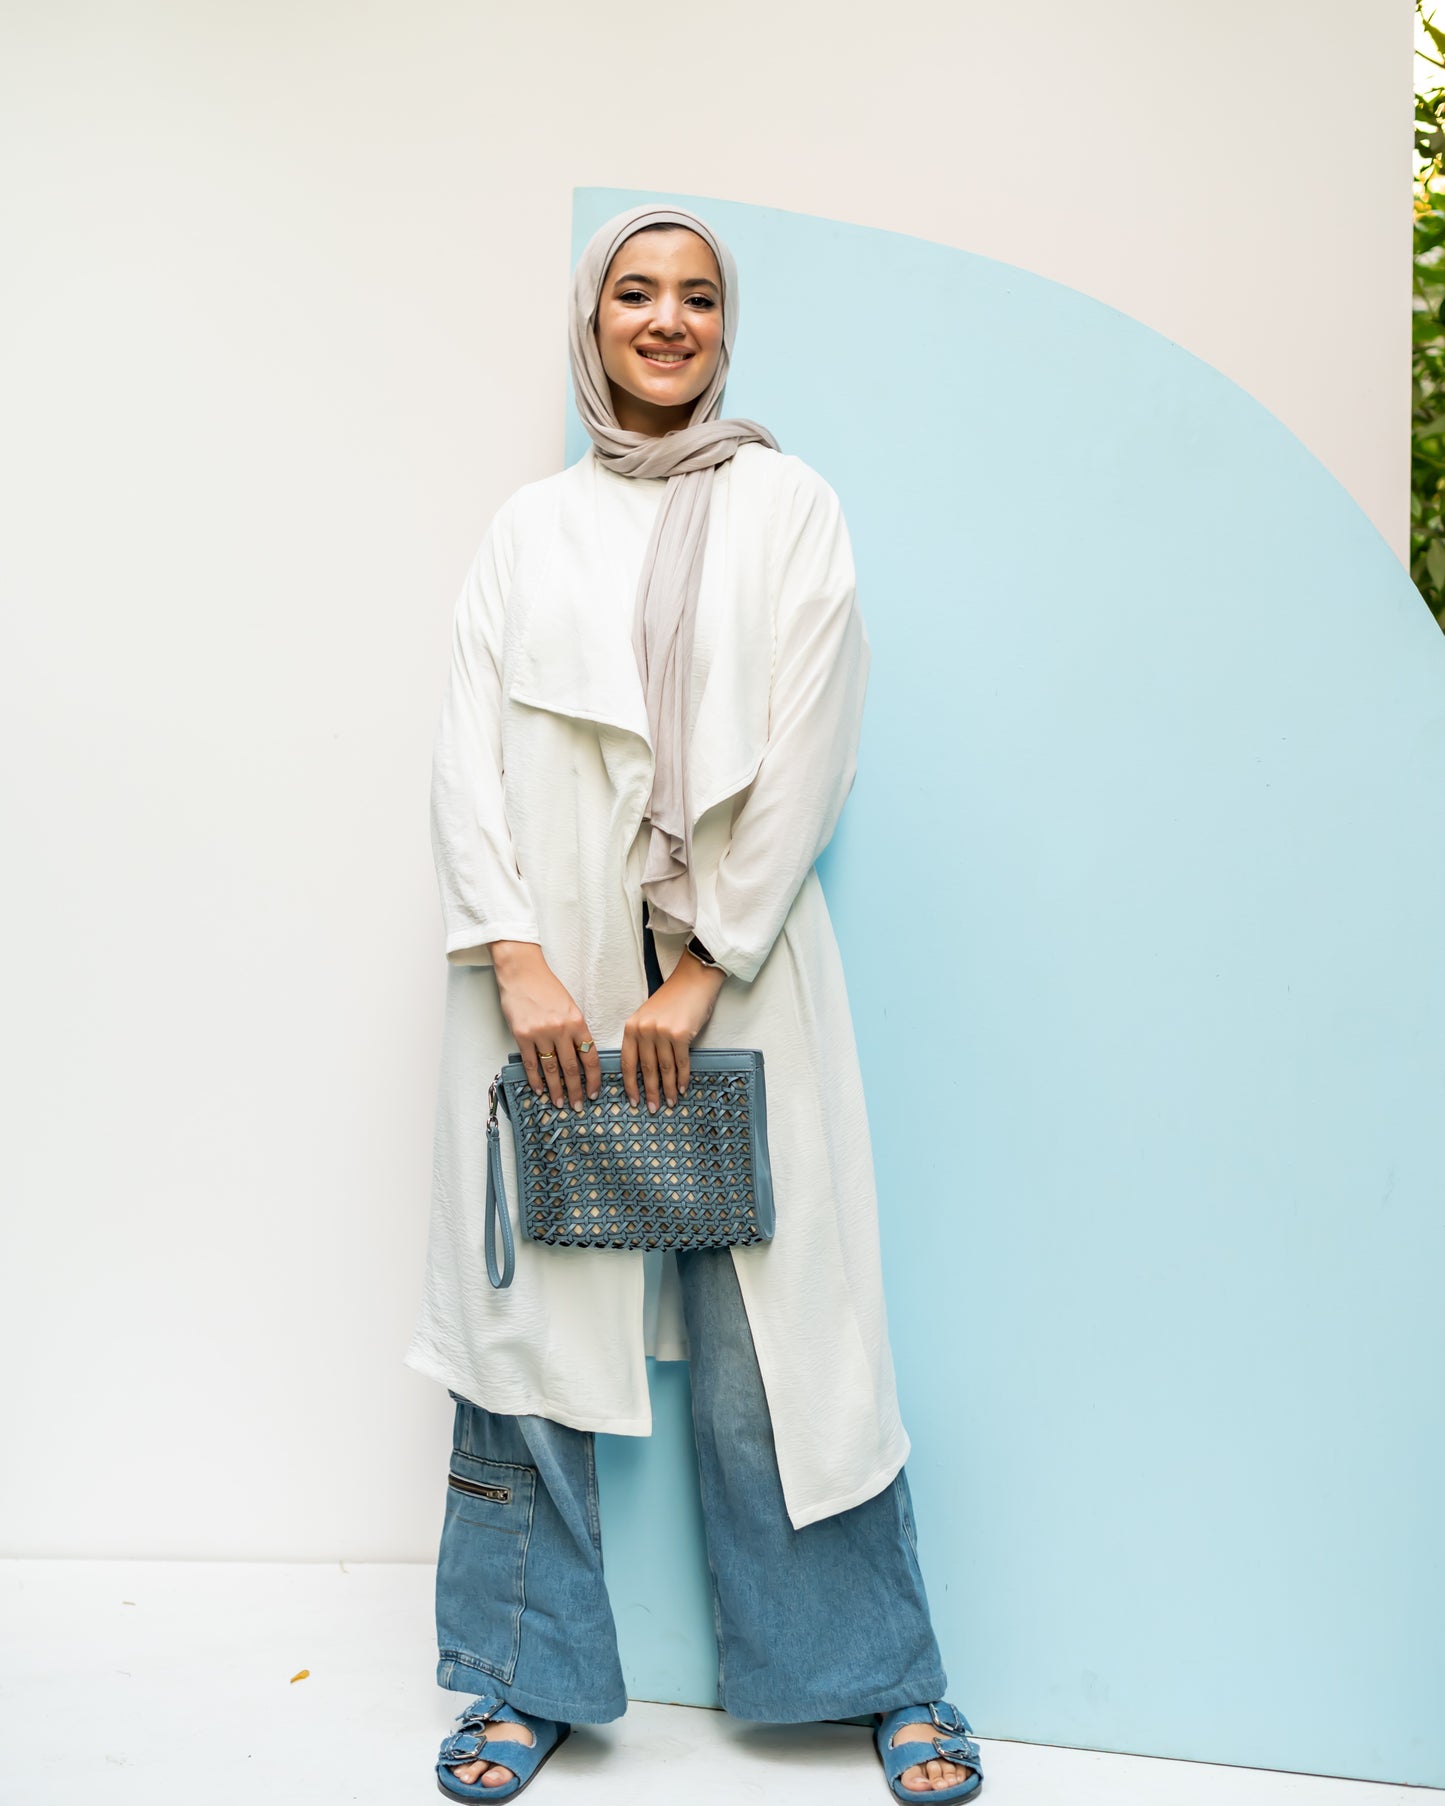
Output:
x=543 y=1018
x=658 y=1034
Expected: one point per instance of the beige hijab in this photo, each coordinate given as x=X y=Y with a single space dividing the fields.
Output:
x=662 y=633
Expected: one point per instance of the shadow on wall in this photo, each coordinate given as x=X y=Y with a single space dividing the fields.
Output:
x=1138 y=894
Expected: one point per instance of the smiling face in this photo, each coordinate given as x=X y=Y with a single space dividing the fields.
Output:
x=659 y=327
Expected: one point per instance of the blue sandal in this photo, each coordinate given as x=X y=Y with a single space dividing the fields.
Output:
x=467 y=1744
x=952 y=1743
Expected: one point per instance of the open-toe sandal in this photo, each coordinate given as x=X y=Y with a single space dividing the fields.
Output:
x=951 y=1742
x=469 y=1742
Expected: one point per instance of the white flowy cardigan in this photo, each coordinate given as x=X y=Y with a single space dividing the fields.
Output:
x=541 y=772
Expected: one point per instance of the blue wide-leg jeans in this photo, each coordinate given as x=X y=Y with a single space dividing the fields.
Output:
x=830 y=1621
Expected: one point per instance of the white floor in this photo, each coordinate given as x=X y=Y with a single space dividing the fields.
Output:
x=161 y=1682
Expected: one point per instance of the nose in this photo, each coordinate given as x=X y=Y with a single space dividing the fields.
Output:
x=667 y=315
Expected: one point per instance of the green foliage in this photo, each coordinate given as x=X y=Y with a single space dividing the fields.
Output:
x=1427 y=394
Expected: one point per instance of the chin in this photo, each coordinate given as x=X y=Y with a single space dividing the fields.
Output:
x=665 y=401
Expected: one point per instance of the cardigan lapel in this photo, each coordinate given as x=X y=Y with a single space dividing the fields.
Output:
x=573 y=597
x=574 y=654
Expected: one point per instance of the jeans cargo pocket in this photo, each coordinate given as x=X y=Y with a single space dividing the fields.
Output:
x=482 y=1563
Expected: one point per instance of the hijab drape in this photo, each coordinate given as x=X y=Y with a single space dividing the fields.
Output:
x=662 y=632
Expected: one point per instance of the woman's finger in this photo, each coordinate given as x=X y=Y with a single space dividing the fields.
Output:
x=651 y=1081
x=667 y=1068
x=591 y=1065
x=551 y=1074
x=527 y=1049
x=571 y=1070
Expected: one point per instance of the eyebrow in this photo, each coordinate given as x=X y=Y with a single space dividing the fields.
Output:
x=687 y=282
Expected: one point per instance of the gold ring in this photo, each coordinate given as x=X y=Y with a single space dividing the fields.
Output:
x=546 y=1056
x=584 y=1047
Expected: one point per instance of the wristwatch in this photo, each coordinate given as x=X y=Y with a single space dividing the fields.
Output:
x=698 y=951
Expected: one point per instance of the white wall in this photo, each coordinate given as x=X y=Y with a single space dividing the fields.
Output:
x=283 y=323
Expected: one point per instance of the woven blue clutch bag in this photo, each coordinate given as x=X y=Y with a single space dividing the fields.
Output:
x=614 y=1175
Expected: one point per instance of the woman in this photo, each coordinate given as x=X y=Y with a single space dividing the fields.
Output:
x=651 y=727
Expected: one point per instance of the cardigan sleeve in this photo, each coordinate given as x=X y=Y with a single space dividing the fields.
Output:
x=484 y=895
x=815 y=718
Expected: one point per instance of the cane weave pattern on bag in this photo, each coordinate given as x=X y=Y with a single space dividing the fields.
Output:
x=694 y=1174
x=614 y=1175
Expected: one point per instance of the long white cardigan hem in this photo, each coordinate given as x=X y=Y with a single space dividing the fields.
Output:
x=427 y=1362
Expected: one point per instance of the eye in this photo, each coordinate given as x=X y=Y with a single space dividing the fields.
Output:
x=641 y=295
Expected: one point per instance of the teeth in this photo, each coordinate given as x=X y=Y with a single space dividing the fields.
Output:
x=657 y=357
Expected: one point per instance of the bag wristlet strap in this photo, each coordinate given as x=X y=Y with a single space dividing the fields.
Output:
x=497 y=1189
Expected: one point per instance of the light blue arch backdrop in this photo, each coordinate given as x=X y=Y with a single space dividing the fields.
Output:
x=1142 y=875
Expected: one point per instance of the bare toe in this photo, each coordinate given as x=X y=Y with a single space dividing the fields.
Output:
x=938 y=1772
x=483 y=1769
x=490 y=1774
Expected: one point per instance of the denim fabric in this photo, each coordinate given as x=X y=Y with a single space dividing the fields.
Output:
x=521 y=1605
x=830 y=1621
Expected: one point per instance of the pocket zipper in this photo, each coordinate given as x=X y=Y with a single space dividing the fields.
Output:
x=500 y=1495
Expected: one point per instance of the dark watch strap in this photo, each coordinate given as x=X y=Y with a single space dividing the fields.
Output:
x=696 y=948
